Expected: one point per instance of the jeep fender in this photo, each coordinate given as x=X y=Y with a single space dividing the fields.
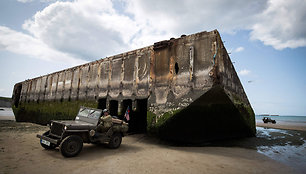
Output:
x=84 y=134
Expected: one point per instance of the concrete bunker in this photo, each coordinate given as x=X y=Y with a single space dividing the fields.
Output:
x=184 y=89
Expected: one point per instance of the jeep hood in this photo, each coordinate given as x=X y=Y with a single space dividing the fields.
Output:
x=76 y=124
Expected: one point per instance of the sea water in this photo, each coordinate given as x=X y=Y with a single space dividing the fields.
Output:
x=283 y=118
x=285 y=146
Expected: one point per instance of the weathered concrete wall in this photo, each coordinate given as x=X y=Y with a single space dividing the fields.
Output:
x=172 y=76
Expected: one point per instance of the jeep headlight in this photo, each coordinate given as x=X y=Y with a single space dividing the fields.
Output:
x=92 y=132
x=51 y=124
x=65 y=127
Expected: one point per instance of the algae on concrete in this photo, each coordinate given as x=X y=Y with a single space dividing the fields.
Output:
x=43 y=112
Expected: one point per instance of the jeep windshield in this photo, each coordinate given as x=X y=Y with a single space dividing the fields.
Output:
x=88 y=115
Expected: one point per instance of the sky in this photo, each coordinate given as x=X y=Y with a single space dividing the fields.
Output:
x=266 y=39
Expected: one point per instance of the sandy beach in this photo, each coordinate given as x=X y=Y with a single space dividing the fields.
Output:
x=6 y=114
x=20 y=152
x=283 y=125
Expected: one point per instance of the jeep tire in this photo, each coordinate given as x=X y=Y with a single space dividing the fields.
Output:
x=52 y=146
x=115 y=141
x=71 y=146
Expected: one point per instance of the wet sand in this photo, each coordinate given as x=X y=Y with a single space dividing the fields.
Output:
x=283 y=125
x=7 y=118
x=20 y=152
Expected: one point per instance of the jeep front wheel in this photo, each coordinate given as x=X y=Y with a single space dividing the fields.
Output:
x=71 y=146
x=115 y=141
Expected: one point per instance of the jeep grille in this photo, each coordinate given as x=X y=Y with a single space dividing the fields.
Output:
x=57 y=128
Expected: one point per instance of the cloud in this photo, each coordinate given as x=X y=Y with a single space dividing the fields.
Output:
x=244 y=72
x=87 y=29
x=24 y=44
x=195 y=15
x=278 y=23
x=27 y=1
x=282 y=24
x=94 y=29
x=239 y=49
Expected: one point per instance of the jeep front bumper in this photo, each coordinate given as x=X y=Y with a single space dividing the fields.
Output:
x=51 y=140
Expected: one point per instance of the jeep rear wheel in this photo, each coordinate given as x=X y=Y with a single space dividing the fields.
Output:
x=71 y=146
x=115 y=141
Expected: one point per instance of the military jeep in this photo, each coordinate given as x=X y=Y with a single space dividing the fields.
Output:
x=69 y=135
x=267 y=120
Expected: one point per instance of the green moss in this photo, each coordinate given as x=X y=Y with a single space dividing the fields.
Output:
x=154 y=123
x=246 y=111
x=251 y=120
x=165 y=117
x=248 y=116
x=151 y=120
x=43 y=112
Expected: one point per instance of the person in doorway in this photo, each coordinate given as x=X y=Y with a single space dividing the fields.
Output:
x=105 y=121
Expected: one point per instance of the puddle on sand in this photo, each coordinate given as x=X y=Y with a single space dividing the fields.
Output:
x=288 y=147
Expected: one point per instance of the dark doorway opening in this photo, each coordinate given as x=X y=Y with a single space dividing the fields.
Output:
x=17 y=94
x=125 y=104
x=102 y=103
x=113 y=107
x=141 y=115
x=138 y=118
